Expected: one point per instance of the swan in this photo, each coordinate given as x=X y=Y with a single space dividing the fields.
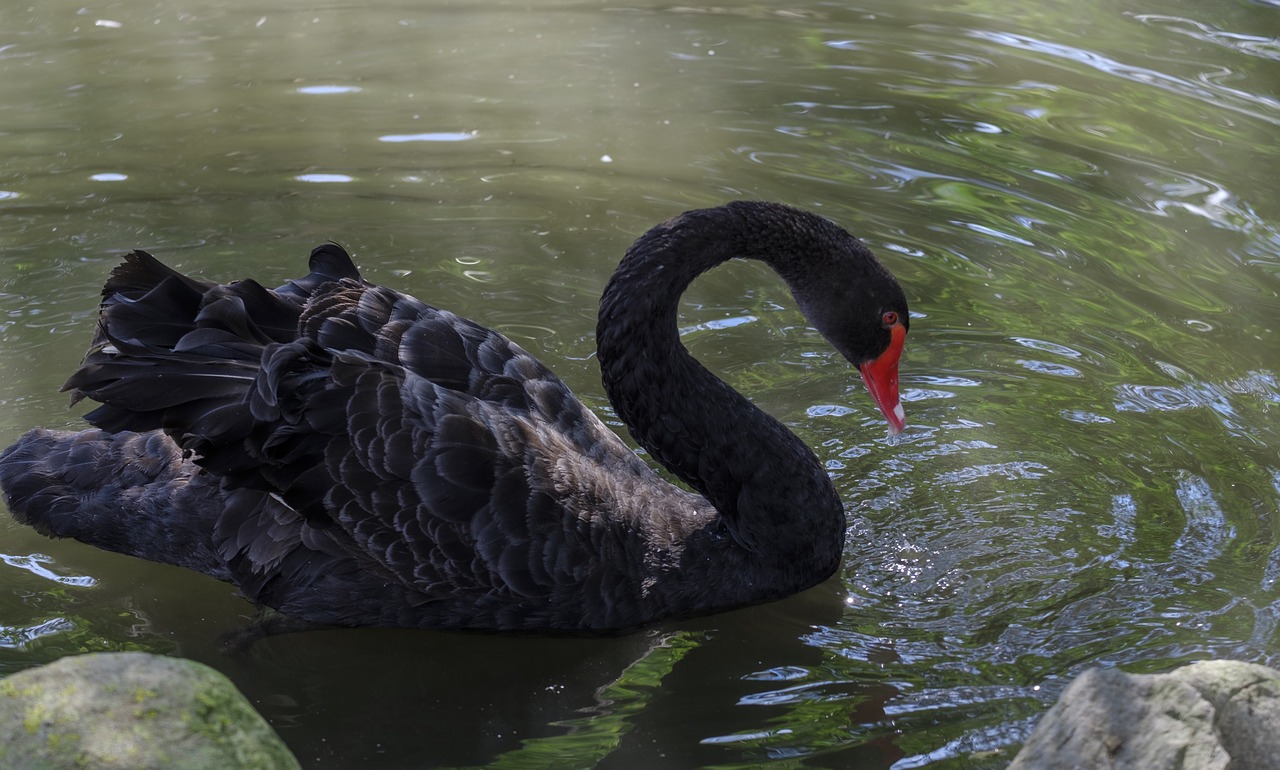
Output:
x=349 y=455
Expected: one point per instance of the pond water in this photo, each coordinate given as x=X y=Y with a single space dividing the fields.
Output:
x=1080 y=198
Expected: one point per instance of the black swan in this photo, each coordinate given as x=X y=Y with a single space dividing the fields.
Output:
x=349 y=455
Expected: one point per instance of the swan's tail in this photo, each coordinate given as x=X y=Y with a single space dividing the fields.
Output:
x=127 y=492
x=173 y=351
x=172 y=357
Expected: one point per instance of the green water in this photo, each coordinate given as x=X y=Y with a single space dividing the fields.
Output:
x=1080 y=198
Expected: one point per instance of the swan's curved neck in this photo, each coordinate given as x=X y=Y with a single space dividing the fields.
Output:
x=774 y=497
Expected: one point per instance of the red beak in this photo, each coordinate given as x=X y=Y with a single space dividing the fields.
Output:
x=881 y=377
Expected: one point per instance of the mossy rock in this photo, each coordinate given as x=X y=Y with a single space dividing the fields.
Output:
x=132 y=710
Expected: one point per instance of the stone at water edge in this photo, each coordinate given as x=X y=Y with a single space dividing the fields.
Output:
x=1214 y=715
x=132 y=710
x=1246 y=698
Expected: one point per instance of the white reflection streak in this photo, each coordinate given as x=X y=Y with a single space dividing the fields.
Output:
x=325 y=178
x=34 y=564
x=435 y=136
x=1271 y=574
x=1124 y=515
x=18 y=637
x=1207 y=532
x=1011 y=470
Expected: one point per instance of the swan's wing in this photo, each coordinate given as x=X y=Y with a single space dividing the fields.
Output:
x=164 y=339
x=421 y=485
x=385 y=440
x=450 y=351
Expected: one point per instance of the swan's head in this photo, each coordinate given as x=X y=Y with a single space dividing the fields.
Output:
x=881 y=373
x=854 y=301
x=870 y=333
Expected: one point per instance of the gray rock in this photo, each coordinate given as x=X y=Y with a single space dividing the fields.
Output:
x=1215 y=715
x=132 y=710
x=1247 y=700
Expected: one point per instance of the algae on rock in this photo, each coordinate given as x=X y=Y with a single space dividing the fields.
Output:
x=132 y=710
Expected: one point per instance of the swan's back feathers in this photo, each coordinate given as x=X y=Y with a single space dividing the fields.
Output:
x=364 y=441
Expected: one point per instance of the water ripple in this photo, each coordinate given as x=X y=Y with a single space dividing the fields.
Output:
x=1010 y=470
x=1258 y=106
x=1251 y=45
x=1260 y=385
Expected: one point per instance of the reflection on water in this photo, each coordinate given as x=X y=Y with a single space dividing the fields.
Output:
x=35 y=564
x=1080 y=200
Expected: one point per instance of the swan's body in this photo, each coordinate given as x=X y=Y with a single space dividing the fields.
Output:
x=349 y=455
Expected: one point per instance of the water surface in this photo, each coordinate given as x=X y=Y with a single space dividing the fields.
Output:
x=1080 y=199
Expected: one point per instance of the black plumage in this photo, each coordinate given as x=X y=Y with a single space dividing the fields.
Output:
x=350 y=455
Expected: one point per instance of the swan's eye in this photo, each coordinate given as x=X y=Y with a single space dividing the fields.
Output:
x=890 y=318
